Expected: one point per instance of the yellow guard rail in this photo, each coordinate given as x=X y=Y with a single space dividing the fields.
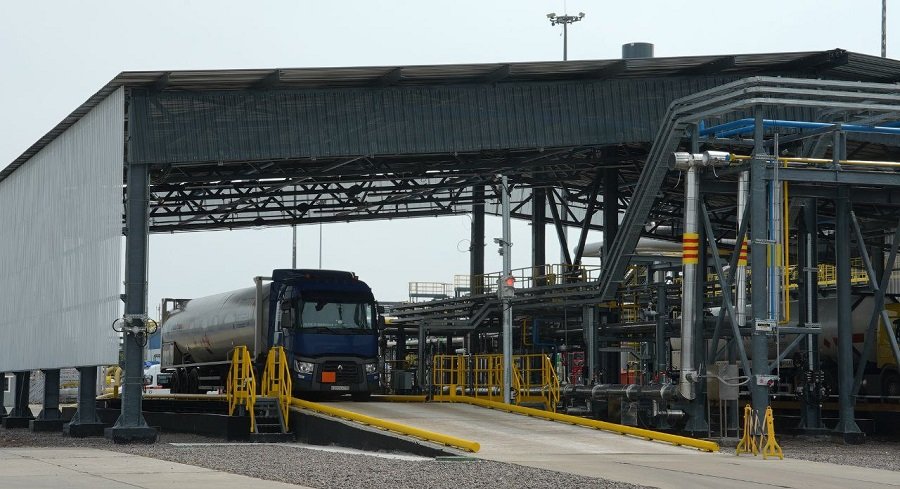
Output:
x=678 y=440
x=468 y=445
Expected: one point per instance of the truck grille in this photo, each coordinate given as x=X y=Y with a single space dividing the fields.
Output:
x=347 y=374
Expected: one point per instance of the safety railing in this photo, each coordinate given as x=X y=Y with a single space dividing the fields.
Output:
x=534 y=380
x=277 y=381
x=419 y=291
x=241 y=384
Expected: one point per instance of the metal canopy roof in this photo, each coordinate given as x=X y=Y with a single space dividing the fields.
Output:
x=836 y=64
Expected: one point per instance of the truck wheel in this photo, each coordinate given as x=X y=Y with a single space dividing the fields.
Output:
x=177 y=382
x=890 y=384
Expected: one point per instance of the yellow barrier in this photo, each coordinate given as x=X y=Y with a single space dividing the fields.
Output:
x=771 y=448
x=748 y=441
x=403 y=429
x=707 y=446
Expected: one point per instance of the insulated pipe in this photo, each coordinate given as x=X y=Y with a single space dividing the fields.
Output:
x=689 y=259
x=740 y=276
x=825 y=161
x=631 y=392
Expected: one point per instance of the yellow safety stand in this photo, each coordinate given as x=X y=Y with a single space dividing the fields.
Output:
x=277 y=381
x=771 y=448
x=748 y=441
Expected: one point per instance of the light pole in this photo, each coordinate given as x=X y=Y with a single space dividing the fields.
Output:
x=565 y=20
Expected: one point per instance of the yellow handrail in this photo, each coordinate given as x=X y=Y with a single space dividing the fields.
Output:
x=534 y=379
x=241 y=384
x=403 y=429
x=277 y=380
x=678 y=440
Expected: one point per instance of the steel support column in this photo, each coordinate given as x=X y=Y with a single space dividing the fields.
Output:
x=696 y=408
x=758 y=257
x=3 y=381
x=808 y=314
x=131 y=425
x=846 y=429
x=662 y=308
x=609 y=363
x=476 y=249
x=538 y=235
x=85 y=422
x=50 y=418
x=21 y=414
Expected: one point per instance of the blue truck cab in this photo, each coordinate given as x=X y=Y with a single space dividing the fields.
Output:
x=328 y=323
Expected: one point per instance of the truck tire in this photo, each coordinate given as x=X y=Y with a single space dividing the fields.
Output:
x=890 y=384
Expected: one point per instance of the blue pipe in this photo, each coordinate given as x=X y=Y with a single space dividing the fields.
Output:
x=743 y=126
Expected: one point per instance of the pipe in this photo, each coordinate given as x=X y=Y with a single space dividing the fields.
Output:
x=689 y=260
x=740 y=276
x=631 y=392
x=825 y=161
x=743 y=126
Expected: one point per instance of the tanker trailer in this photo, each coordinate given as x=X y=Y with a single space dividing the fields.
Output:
x=327 y=321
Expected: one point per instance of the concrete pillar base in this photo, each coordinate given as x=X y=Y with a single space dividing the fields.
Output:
x=849 y=438
x=83 y=430
x=135 y=434
x=10 y=422
x=46 y=425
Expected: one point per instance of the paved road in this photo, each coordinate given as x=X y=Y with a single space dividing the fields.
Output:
x=89 y=468
x=549 y=445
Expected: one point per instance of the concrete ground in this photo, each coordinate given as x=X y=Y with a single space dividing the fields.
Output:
x=545 y=444
x=89 y=468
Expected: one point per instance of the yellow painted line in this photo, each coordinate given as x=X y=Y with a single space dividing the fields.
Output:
x=402 y=429
x=398 y=398
x=678 y=440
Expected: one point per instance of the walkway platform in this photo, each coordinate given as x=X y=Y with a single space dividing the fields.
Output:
x=90 y=468
x=549 y=445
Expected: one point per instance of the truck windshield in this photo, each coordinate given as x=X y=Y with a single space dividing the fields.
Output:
x=335 y=315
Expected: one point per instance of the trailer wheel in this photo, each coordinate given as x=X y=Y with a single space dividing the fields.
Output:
x=177 y=381
x=193 y=381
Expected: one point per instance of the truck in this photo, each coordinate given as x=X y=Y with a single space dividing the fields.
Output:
x=326 y=320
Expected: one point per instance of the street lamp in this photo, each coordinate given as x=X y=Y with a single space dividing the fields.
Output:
x=565 y=20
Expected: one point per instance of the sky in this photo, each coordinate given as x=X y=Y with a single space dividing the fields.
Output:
x=55 y=54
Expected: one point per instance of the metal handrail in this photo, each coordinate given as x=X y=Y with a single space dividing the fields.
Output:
x=241 y=384
x=277 y=380
x=534 y=379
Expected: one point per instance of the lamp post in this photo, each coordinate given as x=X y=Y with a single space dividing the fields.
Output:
x=565 y=20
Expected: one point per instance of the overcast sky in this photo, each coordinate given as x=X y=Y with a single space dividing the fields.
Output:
x=55 y=54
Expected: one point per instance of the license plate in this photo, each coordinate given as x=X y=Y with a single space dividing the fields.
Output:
x=340 y=387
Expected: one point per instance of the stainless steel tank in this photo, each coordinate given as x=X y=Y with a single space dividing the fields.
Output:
x=208 y=328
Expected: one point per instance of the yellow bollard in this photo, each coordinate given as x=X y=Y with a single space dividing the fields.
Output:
x=771 y=448
x=748 y=441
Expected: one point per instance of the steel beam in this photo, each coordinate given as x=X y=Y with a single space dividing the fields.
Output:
x=50 y=418
x=131 y=426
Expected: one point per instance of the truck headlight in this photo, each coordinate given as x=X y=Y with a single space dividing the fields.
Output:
x=371 y=368
x=304 y=367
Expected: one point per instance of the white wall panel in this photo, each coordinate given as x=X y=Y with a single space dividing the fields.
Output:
x=60 y=234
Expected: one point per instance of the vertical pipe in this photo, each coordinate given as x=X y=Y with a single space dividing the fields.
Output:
x=846 y=428
x=131 y=425
x=507 y=312
x=294 y=246
x=476 y=250
x=758 y=251
x=538 y=235
x=740 y=275
x=811 y=410
x=690 y=254
x=661 y=318
x=589 y=329
x=609 y=362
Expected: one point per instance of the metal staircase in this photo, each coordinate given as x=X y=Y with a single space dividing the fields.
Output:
x=268 y=412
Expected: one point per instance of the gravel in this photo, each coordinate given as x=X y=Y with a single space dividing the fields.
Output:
x=304 y=466
x=873 y=454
